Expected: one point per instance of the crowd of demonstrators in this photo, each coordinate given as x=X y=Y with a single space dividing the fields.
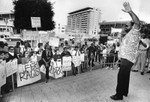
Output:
x=96 y=53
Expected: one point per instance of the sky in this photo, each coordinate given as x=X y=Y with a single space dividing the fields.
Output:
x=110 y=9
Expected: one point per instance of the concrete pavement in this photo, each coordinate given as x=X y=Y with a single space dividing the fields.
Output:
x=92 y=86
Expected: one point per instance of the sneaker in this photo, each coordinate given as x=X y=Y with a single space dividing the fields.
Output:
x=107 y=67
x=111 y=68
x=142 y=73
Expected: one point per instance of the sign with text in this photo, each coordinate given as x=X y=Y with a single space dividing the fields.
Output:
x=55 y=69
x=44 y=37
x=54 y=41
x=76 y=60
x=28 y=73
x=35 y=22
x=66 y=63
x=82 y=56
x=30 y=35
x=11 y=67
x=2 y=73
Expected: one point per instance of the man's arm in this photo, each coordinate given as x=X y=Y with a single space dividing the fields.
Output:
x=143 y=43
x=134 y=17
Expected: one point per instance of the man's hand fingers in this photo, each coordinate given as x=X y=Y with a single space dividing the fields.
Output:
x=125 y=4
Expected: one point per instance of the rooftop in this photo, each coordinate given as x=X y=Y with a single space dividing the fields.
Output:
x=83 y=9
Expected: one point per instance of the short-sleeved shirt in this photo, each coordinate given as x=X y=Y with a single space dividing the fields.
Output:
x=129 y=45
x=147 y=42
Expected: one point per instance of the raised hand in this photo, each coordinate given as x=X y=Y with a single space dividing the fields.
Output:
x=127 y=7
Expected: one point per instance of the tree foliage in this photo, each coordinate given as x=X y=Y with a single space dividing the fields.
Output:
x=25 y=9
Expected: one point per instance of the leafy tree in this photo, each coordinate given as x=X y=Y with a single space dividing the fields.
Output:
x=25 y=9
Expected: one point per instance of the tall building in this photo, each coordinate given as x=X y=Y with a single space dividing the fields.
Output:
x=106 y=26
x=6 y=23
x=84 y=21
x=60 y=29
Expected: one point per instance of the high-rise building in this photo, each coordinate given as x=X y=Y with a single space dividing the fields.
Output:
x=84 y=21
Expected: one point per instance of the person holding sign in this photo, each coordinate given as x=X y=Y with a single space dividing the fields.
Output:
x=76 y=60
x=65 y=53
x=11 y=54
x=46 y=57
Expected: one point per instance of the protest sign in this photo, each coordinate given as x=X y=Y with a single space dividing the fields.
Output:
x=115 y=30
x=30 y=35
x=43 y=37
x=11 y=67
x=66 y=63
x=28 y=73
x=82 y=56
x=55 y=69
x=2 y=73
x=76 y=60
x=53 y=41
x=35 y=22
x=58 y=69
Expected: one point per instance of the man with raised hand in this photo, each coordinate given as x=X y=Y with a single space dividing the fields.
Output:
x=128 y=55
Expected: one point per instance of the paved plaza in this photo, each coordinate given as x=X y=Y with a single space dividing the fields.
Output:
x=92 y=86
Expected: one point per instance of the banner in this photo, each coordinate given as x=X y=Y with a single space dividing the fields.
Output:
x=53 y=41
x=30 y=35
x=66 y=63
x=28 y=73
x=76 y=60
x=55 y=69
x=11 y=67
x=2 y=73
x=115 y=30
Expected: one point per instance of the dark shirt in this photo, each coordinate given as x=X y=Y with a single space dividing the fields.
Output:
x=47 y=57
x=56 y=56
x=67 y=53
x=11 y=57
x=91 y=50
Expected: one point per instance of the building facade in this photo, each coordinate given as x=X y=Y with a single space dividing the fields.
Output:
x=105 y=27
x=84 y=21
x=6 y=22
x=60 y=29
